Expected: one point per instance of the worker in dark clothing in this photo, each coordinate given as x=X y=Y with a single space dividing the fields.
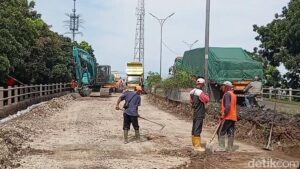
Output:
x=228 y=116
x=198 y=100
x=252 y=90
x=133 y=100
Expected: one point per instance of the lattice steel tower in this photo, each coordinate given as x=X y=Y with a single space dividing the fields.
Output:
x=139 y=35
x=74 y=22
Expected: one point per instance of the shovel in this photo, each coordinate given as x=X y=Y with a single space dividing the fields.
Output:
x=161 y=125
x=268 y=147
x=209 y=145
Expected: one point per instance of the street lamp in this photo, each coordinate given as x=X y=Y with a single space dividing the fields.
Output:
x=190 y=45
x=207 y=42
x=161 y=22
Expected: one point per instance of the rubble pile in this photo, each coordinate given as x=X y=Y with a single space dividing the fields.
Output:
x=253 y=126
x=15 y=132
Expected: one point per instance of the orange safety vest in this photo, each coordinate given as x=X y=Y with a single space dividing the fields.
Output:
x=232 y=115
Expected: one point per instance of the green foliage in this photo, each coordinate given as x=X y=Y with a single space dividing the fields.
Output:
x=280 y=41
x=4 y=67
x=87 y=47
x=153 y=79
x=273 y=77
x=181 y=79
x=29 y=50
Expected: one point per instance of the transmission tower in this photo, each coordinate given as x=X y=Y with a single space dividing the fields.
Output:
x=74 y=22
x=139 y=35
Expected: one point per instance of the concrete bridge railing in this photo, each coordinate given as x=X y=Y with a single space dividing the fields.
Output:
x=15 y=98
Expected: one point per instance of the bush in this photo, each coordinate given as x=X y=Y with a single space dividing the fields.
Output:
x=153 y=79
x=182 y=79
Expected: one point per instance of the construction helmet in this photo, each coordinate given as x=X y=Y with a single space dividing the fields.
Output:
x=200 y=81
x=227 y=83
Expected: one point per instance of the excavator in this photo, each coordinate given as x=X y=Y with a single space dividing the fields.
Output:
x=85 y=70
x=90 y=75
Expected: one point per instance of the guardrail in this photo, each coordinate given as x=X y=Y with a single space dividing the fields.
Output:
x=275 y=93
x=14 y=98
x=279 y=93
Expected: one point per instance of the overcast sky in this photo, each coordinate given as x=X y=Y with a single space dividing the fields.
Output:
x=109 y=26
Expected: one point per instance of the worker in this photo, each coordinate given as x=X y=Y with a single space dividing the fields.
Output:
x=11 y=81
x=252 y=90
x=228 y=116
x=198 y=100
x=133 y=100
x=74 y=85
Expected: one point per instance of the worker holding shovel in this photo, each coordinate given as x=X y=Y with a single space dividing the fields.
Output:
x=198 y=100
x=228 y=116
x=132 y=102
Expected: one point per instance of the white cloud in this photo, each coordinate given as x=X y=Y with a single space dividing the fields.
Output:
x=110 y=25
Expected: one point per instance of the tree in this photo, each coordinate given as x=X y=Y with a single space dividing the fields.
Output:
x=273 y=77
x=87 y=47
x=29 y=50
x=280 y=41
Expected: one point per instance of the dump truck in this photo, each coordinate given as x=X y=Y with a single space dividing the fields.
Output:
x=134 y=75
x=224 y=64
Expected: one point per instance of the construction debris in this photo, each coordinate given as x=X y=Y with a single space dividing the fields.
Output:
x=253 y=123
x=12 y=138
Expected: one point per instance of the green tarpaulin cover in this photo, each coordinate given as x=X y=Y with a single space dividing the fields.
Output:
x=223 y=64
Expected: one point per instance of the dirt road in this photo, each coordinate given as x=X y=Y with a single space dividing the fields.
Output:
x=87 y=134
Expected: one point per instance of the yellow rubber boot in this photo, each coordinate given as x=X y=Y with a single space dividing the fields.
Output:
x=197 y=146
x=193 y=141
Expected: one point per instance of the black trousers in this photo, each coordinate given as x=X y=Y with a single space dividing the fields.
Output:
x=130 y=120
x=197 y=126
x=228 y=128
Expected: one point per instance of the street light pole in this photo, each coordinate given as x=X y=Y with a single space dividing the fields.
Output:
x=207 y=42
x=161 y=22
x=190 y=45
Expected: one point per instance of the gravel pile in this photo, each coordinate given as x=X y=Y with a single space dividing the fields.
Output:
x=15 y=132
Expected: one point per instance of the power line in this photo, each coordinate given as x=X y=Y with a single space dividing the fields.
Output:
x=171 y=50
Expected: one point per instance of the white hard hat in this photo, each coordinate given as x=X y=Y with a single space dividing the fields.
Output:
x=227 y=83
x=200 y=80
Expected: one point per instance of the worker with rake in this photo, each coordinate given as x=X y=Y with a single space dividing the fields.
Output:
x=132 y=102
x=198 y=100
x=228 y=116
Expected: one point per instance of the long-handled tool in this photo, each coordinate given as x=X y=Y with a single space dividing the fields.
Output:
x=162 y=126
x=268 y=147
x=218 y=128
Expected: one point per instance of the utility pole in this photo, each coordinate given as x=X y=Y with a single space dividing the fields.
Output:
x=74 y=22
x=161 y=22
x=190 y=45
x=207 y=42
x=139 y=35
